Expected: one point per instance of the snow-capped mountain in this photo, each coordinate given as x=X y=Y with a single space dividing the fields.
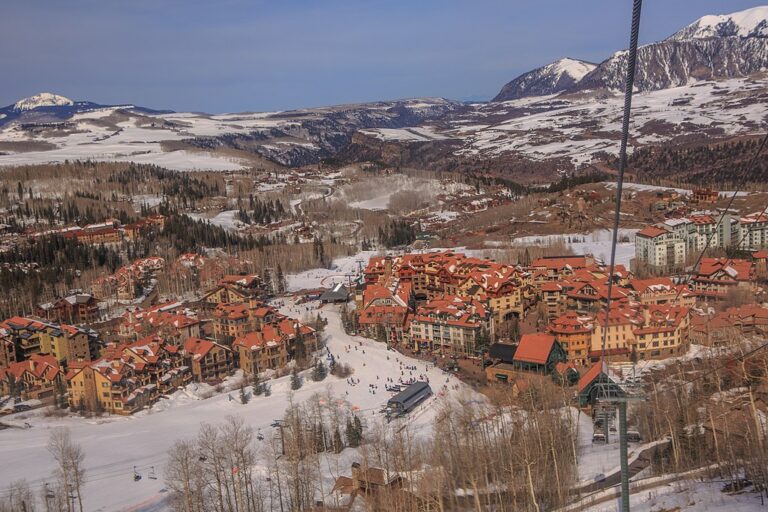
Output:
x=550 y=79
x=712 y=47
x=748 y=23
x=44 y=99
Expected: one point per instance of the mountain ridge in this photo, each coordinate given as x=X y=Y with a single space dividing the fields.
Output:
x=712 y=47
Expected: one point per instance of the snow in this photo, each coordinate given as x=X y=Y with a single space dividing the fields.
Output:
x=420 y=134
x=574 y=68
x=125 y=141
x=225 y=219
x=377 y=203
x=44 y=99
x=321 y=277
x=577 y=127
x=642 y=187
x=596 y=243
x=114 y=445
x=686 y=495
x=747 y=23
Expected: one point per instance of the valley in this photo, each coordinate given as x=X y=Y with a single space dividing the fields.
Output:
x=412 y=304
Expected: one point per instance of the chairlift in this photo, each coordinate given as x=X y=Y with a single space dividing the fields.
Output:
x=152 y=475
x=136 y=475
x=260 y=436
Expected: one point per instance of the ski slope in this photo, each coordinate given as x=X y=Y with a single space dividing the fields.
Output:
x=114 y=445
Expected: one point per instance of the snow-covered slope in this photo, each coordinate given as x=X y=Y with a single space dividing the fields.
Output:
x=748 y=23
x=552 y=78
x=575 y=127
x=195 y=141
x=44 y=99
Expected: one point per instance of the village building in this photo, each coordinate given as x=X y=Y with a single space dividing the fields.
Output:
x=539 y=353
x=130 y=281
x=385 y=310
x=452 y=325
x=337 y=294
x=639 y=333
x=659 y=249
x=234 y=320
x=64 y=342
x=172 y=320
x=660 y=291
x=210 y=361
x=7 y=349
x=574 y=333
x=36 y=378
x=704 y=195
x=273 y=346
x=716 y=277
x=77 y=308
x=108 y=386
x=753 y=231
x=235 y=289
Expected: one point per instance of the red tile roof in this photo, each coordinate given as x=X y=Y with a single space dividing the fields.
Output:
x=652 y=232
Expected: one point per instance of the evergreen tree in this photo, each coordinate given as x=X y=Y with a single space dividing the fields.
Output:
x=258 y=386
x=358 y=429
x=282 y=284
x=338 y=444
x=295 y=380
x=351 y=437
x=299 y=348
x=319 y=438
x=320 y=372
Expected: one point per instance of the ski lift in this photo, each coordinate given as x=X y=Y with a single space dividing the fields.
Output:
x=152 y=475
x=260 y=436
x=136 y=475
x=202 y=458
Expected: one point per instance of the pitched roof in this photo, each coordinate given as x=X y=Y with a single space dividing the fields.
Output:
x=534 y=348
x=591 y=375
x=652 y=232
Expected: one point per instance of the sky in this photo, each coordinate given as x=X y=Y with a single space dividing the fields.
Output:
x=253 y=55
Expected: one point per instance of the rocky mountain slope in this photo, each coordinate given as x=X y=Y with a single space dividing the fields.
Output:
x=713 y=47
x=555 y=77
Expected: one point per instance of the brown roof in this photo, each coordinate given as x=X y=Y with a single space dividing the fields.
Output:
x=534 y=348
x=652 y=232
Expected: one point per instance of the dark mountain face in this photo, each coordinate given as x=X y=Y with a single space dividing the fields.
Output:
x=713 y=47
x=672 y=63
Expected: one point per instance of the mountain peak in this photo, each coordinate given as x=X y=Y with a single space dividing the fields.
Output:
x=44 y=99
x=747 y=23
x=550 y=79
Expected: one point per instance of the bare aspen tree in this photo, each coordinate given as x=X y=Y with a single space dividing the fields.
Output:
x=18 y=497
x=70 y=472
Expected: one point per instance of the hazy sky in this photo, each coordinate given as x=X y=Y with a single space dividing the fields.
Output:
x=237 y=55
